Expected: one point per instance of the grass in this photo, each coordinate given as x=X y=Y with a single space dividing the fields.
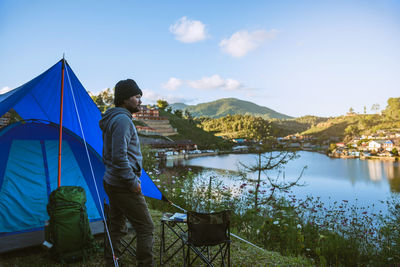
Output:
x=242 y=254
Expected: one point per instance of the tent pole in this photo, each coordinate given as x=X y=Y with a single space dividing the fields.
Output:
x=61 y=121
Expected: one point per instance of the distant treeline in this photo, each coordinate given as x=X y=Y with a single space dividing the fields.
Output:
x=237 y=126
x=256 y=128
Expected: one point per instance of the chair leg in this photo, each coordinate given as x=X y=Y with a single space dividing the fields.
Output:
x=184 y=255
x=223 y=254
x=161 y=243
x=229 y=254
x=188 y=257
x=223 y=251
x=226 y=256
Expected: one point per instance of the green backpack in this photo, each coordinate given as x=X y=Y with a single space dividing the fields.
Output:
x=68 y=230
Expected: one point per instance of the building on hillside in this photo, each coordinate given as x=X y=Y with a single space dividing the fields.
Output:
x=240 y=149
x=5 y=119
x=146 y=130
x=375 y=145
x=148 y=113
x=363 y=146
x=239 y=140
x=304 y=137
x=308 y=146
x=353 y=145
x=292 y=137
x=355 y=141
x=294 y=145
x=340 y=145
x=388 y=145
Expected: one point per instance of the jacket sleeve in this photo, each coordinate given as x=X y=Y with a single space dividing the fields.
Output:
x=121 y=136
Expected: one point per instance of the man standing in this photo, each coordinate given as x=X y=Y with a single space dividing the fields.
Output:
x=123 y=162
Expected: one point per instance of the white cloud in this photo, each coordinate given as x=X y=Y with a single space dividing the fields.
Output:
x=242 y=42
x=151 y=97
x=172 y=84
x=5 y=90
x=214 y=82
x=188 y=31
x=231 y=84
x=211 y=82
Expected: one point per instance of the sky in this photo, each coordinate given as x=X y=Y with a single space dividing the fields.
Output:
x=296 y=57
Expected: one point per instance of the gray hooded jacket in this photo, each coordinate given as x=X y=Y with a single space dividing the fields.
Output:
x=121 y=149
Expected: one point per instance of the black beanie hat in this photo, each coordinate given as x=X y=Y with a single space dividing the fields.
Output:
x=125 y=89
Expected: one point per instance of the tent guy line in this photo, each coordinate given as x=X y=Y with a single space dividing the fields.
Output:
x=91 y=168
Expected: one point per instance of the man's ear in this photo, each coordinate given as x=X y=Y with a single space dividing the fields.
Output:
x=123 y=103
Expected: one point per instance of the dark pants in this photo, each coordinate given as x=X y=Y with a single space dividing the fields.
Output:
x=126 y=204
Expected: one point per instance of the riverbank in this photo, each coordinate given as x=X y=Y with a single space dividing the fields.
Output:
x=216 y=153
x=331 y=155
x=382 y=158
x=189 y=156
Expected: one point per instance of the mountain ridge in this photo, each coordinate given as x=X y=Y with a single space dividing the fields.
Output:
x=230 y=106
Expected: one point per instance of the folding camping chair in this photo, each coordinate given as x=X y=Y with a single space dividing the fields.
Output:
x=208 y=237
x=126 y=243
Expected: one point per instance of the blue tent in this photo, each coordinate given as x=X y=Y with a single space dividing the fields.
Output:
x=29 y=151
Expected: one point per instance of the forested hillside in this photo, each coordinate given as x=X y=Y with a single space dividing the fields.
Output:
x=230 y=106
x=257 y=128
x=237 y=126
x=358 y=124
x=280 y=128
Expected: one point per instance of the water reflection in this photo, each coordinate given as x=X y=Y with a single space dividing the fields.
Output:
x=364 y=182
x=394 y=177
x=375 y=170
x=390 y=171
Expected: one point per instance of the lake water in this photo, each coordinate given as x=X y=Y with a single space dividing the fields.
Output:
x=361 y=182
